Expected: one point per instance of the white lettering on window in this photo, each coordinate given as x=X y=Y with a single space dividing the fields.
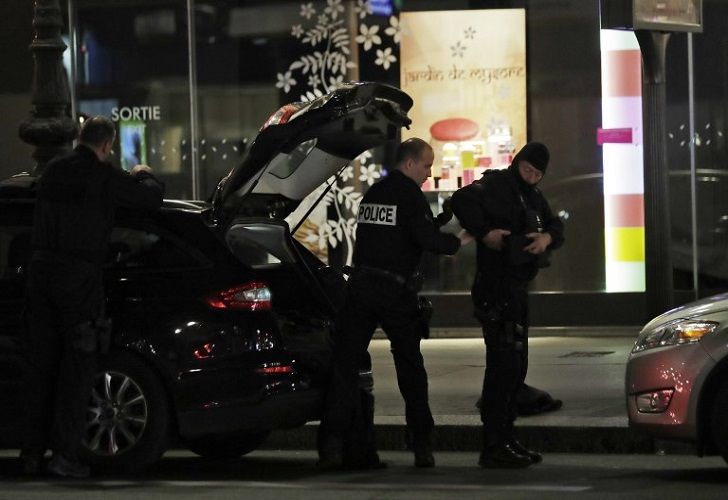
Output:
x=144 y=113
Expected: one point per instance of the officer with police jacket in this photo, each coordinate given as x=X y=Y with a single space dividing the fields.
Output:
x=515 y=231
x=76 y=198
x=395 y=225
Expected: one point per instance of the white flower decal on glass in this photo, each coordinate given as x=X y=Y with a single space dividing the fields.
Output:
x=368 y=36
x=363 y=8
x=297 y=31
x=394 y=30
x=364 y=157
x=307 y=10
x=385 y=58
x=333 y=8
x=314 y=81
x=347 y=173
x=335 y=81
x=369 y=173
x=285 y=81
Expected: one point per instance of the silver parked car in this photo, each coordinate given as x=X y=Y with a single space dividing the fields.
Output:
x=677 y=376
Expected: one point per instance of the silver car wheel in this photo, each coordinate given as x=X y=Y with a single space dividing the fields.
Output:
x=117 y=414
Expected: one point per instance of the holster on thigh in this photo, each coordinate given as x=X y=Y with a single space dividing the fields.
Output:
x=515 y=333
x=424 y=310
x=504 y=335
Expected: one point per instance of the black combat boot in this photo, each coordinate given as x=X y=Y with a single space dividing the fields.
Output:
x=360 y=447
x=535 y=457
x=331 y=453
x=422 y=447
x=502 y=456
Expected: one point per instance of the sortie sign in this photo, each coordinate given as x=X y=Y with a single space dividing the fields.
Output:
x=143 y=113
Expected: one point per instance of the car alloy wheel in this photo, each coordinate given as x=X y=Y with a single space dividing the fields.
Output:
x=118 y=414
x=129 y=416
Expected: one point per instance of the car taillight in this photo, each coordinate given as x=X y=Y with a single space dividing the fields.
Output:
x=204 y=351
x=281 y=116
x=253 y=296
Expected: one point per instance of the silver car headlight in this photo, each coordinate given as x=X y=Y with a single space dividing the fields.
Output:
x=681 y=331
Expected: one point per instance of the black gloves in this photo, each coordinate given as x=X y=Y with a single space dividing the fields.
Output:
x=446 y=215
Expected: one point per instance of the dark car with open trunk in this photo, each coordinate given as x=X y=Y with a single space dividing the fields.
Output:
x=221 y=319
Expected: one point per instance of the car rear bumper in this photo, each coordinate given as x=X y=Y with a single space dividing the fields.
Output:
x=681 y=369
x=278 y=411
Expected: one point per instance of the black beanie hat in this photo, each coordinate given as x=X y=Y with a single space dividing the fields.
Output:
x=536 y=154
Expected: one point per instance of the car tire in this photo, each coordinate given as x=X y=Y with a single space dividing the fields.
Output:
x=718 y=420
x=128 y=422
x=227 y=446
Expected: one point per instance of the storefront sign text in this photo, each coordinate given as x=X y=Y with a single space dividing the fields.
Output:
x=484 y=75
x=144 y=113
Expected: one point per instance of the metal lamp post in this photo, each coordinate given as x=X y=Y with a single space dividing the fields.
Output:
x=50 y=127
x=658 y=239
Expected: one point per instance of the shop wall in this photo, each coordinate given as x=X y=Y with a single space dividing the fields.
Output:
x=16 y=71
x=244 y=52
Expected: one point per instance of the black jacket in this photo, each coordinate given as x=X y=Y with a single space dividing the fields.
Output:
x=76 y=199
x=395 y=225
x=493 y=202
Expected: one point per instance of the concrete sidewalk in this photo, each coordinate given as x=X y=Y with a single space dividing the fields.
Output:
x=586 y=371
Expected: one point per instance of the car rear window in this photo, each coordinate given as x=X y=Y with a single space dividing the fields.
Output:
x=147 y=249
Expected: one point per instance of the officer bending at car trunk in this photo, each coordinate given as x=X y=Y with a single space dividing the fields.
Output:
x=395 y=225
x=514 y=230
x=74 y=213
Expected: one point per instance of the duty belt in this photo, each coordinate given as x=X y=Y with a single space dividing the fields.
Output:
x=414 y=282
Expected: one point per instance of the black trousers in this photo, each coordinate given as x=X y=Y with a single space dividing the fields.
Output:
x=61 y=356
x=373 y=300
x=505 y=331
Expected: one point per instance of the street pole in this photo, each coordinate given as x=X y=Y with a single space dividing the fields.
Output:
x=658 y=240
x=50 y=127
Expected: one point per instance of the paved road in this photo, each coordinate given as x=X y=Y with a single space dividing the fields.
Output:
x=271 y=475
x=587 y=373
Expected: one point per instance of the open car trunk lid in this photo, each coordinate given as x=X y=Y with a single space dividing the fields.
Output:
x=304 y=144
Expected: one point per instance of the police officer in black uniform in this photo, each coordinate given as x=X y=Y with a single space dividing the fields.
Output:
x=515 y=230
x=74 y=213
x=395 y=225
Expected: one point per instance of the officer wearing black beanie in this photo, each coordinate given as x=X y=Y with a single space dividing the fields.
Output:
x=515 y=231
x=536 y=154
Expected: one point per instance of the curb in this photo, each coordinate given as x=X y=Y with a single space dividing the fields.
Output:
x=534 y=331
x=467 y=438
